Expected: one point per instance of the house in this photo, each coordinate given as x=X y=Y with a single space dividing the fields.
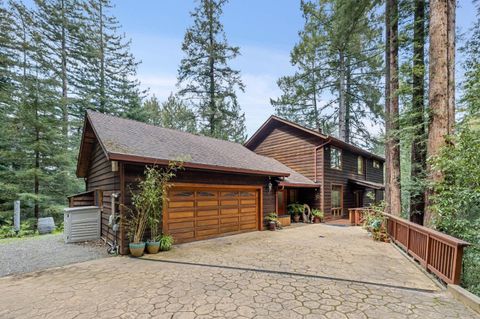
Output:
x=225 y=188
x=348 y=175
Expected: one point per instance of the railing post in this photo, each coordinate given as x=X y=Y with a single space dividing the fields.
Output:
x=427 y=252
x=457 y=265
x=408 y=238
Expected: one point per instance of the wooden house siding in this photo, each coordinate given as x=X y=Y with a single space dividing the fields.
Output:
x=100 y=176
x=291 y=147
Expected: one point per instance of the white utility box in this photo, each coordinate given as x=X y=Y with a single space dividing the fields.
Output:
x=81 y=223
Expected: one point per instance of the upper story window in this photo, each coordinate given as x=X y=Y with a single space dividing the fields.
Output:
x=360 y=165
x=336 y=158
x=376 y=164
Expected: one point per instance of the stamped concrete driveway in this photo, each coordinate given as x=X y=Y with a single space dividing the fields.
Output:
x=315 y=271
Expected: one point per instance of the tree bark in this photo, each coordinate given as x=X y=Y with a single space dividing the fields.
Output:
x=442 y=88
x=418 y=149
x=64 y=78
x=103 y=98
x=394 y=146
x=341 y=106
x=211 y=71
x=387 y=106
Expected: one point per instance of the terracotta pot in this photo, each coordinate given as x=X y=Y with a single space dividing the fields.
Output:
x=272 y=226
x=153 y=247
x=137 y=249
x=296 y=218
x=316 y=220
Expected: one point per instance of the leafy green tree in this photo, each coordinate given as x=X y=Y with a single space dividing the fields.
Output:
x=339 y=66
x=205 y=78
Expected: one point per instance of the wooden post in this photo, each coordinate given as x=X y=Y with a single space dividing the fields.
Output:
x=457 y=265
x=427 y=252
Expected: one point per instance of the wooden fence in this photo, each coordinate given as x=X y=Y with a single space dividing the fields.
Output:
x=90 y=198
x=437 y=252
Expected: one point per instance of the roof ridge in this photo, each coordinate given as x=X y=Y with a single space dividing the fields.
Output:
x=162 y=127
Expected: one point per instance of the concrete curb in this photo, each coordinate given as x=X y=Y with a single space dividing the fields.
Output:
x=467 y=298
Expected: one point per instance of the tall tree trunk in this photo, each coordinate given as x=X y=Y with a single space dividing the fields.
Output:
x=348 y=100
x=418 y=156
x=442 y=87
x=103 y=97
x=387 y=106
x=342 y=105
x=211 y=63
x=64 y=77
x=394 y=147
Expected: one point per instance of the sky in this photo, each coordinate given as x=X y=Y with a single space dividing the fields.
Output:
x=265 y=31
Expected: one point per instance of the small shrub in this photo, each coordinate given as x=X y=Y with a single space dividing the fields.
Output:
x=166 y=242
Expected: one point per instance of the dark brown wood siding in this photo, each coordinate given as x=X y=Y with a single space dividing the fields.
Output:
x=292 y=147
x=349 y=169
x=100 y=176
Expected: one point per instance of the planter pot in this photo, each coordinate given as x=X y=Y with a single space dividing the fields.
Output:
x=296 y=218
x=317 y=220
x=137 y=249
x=272 y=226
x=153 y=247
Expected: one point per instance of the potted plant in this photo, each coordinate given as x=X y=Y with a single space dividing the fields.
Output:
x=295 y=210
x=165 y=242
x=147 y=208
x=272 y=220
x=317 y=215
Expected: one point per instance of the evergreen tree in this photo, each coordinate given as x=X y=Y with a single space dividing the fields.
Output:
x=207 y=81
x=107 y=70
x=337 y=59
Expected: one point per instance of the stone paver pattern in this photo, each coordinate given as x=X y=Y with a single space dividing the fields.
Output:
x=173 y=285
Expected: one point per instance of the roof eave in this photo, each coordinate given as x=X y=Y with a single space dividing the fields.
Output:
x=151 y=160
x=300 y=185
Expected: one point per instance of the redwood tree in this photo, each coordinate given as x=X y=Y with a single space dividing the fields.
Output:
x=442 y=86
x=392 y=114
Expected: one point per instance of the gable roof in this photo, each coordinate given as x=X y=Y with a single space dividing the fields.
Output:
x=132 y=141
x=257 y=136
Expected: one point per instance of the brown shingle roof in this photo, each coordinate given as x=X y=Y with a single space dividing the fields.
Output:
x=128 y=140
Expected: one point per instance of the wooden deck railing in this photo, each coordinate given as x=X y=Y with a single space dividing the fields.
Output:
x=89 y=198
x=439 y=253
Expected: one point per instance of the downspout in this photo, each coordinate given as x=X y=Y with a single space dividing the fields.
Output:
x=315 y=150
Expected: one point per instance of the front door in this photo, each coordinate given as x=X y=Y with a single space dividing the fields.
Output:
x=281 y=202
x=358 y=196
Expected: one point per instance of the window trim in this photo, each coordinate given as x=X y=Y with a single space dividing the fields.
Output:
x=360 y=159
x=340 y=158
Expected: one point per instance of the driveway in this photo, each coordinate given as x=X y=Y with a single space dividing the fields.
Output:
x=314 y=271
x=21 y=255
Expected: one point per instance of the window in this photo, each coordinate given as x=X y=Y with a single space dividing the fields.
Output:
x=336 y=158
x=336 y=196
x=360 y=165
x=376 y=164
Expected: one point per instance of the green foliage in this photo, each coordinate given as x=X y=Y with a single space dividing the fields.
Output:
x=271 y=217
x=166 y=242
x=338 y=69
x=456 y=202
x=147 y=201
x=295 y=209
x=27 y=228
x=207 y=81
x=318 y=213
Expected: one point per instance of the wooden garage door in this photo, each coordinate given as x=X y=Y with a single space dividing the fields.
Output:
x=195 y=213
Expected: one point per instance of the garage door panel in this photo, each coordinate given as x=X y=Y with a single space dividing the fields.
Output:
x=207 y=222
x=248 y=218
x=229 y=203
x=229 y=229
x=207 y=213
x=207 y=232
x=199 y=213
x=181 y=225
x=182 y=214
x=230 y=220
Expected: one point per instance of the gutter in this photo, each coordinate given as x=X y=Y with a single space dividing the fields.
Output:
x=315 y=150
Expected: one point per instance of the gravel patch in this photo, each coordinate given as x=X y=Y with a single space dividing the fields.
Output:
x=23 y=255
